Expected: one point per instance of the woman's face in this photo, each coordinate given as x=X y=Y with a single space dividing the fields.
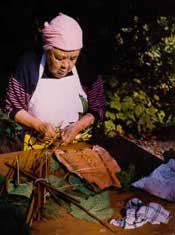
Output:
x=60 y=62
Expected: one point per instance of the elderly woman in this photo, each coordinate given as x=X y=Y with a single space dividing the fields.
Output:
x=46 y=91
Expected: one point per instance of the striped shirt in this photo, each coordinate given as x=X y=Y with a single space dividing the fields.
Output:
x=23 y=83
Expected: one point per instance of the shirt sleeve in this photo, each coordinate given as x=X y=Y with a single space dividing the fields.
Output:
x=96 y=99
x=16 y=98
x=93 y=85
x=21 y=85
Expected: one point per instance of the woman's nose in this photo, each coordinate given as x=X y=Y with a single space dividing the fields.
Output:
x=65 y=64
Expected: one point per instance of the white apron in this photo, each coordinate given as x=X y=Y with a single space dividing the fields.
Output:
x=57 y=101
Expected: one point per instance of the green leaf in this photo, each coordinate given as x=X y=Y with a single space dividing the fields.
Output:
x=119 y=129
x=121 y=116
x=126 y=177
x=127 y=104
x=115 y=104
x=2 y=179
x=110 y=115
x=98 y=205
x=57 y=182
x=156 y=97
x=139 y=109
x=137 y=81
x=8 y=131
x=130 y=116
x=54 y=164
x=110 y=134
x=161 y=116
x=109 y=125
x=79 y=185
x=84 y=103
x=113 y=82
x=24 y=189
x=152 y=111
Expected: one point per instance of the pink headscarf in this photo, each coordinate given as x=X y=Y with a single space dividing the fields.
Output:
x=63 y=32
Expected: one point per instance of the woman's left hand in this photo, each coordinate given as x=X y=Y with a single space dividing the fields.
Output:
x=70 y=132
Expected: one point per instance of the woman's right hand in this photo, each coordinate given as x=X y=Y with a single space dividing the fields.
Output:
x=47 y=129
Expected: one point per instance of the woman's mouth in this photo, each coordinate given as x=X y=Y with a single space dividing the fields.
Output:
x=61 y=73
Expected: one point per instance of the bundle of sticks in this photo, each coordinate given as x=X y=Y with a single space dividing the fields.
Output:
x=38 y=175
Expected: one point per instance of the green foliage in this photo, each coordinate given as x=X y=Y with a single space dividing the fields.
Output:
x=57 y=182
x=51 y=210
x=84 y=104
x=8 y=127
x=141 y=89
x=98 y=205
x=24 y=189
x=2 y=179
x=10 y=135
x=54 y=164
x=79 y=185
x=126 y=177
x=135 y=113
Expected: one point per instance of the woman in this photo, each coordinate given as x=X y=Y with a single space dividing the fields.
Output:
x=46 y=93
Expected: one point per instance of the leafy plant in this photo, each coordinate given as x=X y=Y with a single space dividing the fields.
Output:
x=126 y=177
x=8 y=127
x=134 y=113
x=98 y=205
x=140 y=91
x=10 y=134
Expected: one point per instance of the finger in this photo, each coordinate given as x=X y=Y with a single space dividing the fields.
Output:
x=68 y=138
x=50 y=131
x=65 y=137
x=47 y=139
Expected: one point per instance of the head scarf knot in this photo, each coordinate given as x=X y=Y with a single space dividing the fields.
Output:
x=62 y=32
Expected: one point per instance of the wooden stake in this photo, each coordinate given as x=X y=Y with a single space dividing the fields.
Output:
x=17 y=169
x=66 y=197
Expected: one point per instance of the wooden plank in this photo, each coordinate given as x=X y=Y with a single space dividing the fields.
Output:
x=26 y=157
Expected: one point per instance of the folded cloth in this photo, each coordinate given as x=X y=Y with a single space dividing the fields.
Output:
x=138 y=214
x=160 y=182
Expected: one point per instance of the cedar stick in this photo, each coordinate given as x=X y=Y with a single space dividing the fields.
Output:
x=64 y=195
x=47 y=185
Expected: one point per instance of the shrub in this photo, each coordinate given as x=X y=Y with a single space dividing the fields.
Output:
x=141 y=89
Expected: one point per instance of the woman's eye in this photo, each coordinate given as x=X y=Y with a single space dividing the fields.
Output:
x=59 y=59
x=73 y=58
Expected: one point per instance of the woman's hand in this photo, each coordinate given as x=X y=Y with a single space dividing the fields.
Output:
x=47 y=129
x=25 y=118
x=70 y=132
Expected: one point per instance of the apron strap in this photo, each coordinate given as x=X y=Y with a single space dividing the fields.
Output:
x=42 y=65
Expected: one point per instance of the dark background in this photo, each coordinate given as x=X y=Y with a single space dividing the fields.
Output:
x=100 y=19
